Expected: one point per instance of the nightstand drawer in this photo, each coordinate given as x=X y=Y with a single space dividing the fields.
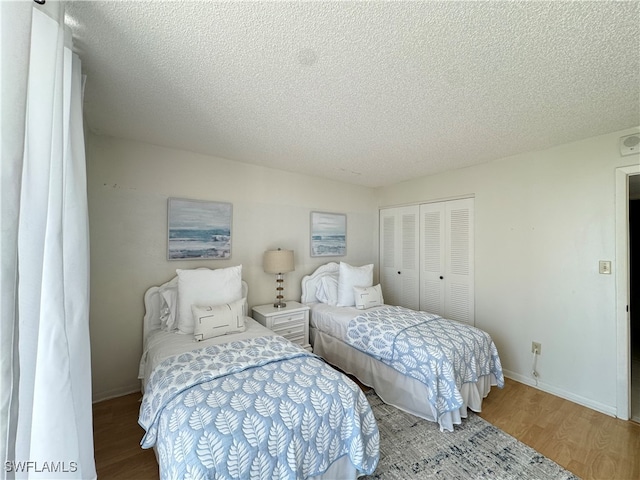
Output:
x=288 y=329
x=288 y=318
x=290 y=322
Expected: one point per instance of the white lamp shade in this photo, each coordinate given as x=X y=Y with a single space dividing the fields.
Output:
x=278 y=261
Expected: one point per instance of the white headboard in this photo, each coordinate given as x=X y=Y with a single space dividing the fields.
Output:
x=310 y=282
x=153 y=305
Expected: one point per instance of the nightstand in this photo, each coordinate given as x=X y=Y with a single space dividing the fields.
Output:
x=292 y=321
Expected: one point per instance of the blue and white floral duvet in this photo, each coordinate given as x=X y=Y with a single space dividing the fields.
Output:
x=442 y=354
x=257 y=408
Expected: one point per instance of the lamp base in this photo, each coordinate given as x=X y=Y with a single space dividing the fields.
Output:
x=279 y=305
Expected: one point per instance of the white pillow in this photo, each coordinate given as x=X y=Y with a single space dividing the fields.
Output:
x=169 y=307
x=215 y=320
x=327 y=291
x=206 y=287
x=352 y=277
x=367 y=297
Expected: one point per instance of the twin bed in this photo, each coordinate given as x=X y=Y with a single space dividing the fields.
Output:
x=247 y=403
x=438 y=369
x=224 y=397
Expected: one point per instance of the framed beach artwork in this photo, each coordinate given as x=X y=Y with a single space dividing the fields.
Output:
x=198 y=230
x=328 y=234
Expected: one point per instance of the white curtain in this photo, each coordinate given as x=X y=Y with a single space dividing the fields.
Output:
x=45 y=388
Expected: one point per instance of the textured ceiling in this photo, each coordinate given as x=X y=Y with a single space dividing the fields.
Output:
x=370 y=93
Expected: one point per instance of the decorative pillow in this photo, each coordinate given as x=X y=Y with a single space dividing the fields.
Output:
x=213 y=321
x=352 y=277
x=327 y=291
x=367 y=297
x=206 y=287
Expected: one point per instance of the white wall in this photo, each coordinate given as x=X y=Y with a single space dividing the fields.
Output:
x=128 y=187
x=542 y=222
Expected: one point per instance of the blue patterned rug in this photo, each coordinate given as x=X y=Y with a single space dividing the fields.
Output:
x=413 y=448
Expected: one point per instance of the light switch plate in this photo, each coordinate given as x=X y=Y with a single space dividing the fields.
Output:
x=605 y=267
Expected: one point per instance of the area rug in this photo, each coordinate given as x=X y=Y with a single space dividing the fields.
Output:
x=413 y=448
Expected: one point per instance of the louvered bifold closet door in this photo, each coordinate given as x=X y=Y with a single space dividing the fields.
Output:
x=432 y=258
x=409 y=272
x=399 y=256
x=459 y=251
x=388 y=268
x=446 y=259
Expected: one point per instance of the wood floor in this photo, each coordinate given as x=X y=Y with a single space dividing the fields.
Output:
x=589 y=444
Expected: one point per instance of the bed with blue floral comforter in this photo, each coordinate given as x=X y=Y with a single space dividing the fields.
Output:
x=443 y=354
x=255 y=408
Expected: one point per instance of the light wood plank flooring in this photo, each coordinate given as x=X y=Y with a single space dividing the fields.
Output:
x=590 y=444
x=116 y=437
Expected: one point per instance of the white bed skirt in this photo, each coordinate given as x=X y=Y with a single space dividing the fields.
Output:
x=393 y=387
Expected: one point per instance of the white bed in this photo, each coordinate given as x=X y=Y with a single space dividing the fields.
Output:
x=161 y=347
x=328 y=329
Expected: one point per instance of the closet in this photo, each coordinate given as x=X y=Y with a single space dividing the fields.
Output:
x=399 y=256
x=426 y=258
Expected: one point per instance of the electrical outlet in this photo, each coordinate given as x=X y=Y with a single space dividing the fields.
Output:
x=536 y=348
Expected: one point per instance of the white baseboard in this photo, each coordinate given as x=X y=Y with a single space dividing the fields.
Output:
x=558 y=392
x=116 y=392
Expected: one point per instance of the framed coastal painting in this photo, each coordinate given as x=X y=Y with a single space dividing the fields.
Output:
x=198 y=230
x=328 y=234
